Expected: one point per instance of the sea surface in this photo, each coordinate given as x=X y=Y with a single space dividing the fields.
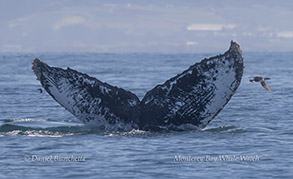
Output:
x=252 y=137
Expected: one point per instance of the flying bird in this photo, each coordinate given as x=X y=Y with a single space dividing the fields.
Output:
x=262 y=81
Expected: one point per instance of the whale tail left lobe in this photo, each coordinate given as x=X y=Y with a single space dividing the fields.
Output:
x=86 y=97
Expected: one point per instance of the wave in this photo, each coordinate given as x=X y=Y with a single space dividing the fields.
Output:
x=16 y=130
x=226 y=129
x=48 y=128
x=38 y=128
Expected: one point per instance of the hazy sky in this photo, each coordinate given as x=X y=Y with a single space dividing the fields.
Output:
x=167 y=26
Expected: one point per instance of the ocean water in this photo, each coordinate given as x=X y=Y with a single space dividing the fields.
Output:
x=251 y=138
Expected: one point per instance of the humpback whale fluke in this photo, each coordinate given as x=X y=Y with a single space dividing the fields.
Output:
x=262 y=81
x=192 y=98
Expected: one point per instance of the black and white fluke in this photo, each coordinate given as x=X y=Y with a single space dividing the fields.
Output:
x=188 y=100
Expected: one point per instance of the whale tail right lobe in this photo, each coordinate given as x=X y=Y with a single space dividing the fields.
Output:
x=196 y=95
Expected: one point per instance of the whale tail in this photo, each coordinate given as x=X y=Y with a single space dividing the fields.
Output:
x=87 y=98
x=193 y=97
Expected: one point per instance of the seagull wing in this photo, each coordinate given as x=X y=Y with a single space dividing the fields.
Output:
x=196 y=95
x=265 y=85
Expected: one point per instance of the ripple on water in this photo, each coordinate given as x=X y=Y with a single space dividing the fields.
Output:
x=46 y=128
x=227 y=129
x=38 y=128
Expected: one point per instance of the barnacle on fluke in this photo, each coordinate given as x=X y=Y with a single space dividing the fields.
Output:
x=188 y=100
